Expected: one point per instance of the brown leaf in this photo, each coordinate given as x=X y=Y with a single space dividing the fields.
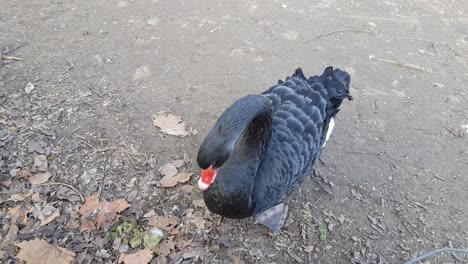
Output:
x=40 y=178
x=20 y=197
x=95 y=214
x=11 y=235
x=172 y=181
x=161 y=259
x=165 y=247
x=40 y=163
x=178 y=163
x=142 y=256
x=24 y=173
x=36 y=198
x=171 y=124
x=17 y=213
x=198 y=221
x=38 y=251
x=3 y=253
x=149 y=214
x=199 y=203
x=168 y=170
x=163 y=222
x=186 y=188
x=7 y=183
x=48 y=214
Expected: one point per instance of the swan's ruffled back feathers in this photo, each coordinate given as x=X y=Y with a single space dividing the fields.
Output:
x=301 y=109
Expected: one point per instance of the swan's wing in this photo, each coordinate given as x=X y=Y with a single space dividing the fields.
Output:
x=298 y=115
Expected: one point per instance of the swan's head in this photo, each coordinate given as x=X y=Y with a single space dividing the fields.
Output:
x=213 y=153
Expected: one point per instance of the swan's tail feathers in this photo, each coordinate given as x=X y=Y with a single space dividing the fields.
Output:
x=274 y=217
x=336 y=82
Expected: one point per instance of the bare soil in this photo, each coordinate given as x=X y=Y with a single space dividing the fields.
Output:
x=394 y=184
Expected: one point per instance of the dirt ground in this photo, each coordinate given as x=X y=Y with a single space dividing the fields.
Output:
x=80 y=82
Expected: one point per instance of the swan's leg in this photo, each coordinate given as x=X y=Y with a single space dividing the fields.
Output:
x=274 y=217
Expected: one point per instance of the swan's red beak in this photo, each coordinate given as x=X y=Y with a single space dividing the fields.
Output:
x=207 y=178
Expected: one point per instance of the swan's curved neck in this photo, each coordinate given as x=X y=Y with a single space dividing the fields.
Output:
x=246 y=130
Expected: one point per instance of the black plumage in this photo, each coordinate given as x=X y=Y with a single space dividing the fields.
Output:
x=264 y=145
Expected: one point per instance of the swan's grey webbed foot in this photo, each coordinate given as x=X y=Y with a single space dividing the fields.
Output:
x=274 y=217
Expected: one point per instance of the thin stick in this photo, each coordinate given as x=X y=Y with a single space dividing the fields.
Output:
x=63 y=184
x=437 y=252
x=337 y=31
x=11 y=58
x=316 y=202
x=405 y=64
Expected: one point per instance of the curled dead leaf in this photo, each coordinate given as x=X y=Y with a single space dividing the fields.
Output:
x=167 y=181
x=166 y=246
x=199 y=203
x=17 y=213
x=199 y=222
x=171 y=124
x=163 y=222
x=48 y=214
x=168 y=170
x=38 y=251
x=95 y=214
x=143 y=256
x=20 y=197
x=186 y=188
x=40 y=178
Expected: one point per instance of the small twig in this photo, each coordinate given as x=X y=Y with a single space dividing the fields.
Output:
x=215 y=29
x=63 y=184
x=338 y=31
x=405 y=64
x=438 y=177
x=135 y=173
x=422 y=206
x=83 y=140
x=437 y=252
x=321 y=184
x=94 y=90
x=318 y=200
x=4 y=57
x=8 y=51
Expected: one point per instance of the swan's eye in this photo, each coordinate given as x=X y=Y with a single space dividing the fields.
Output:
x=207 y=178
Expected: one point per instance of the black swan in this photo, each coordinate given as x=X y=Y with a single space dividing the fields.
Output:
x=263 y=145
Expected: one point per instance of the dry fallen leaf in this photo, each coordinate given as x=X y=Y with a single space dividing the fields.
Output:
x=163 y=222
x=95 y=214
x=20 y=197
x=198 y=221
x=40 y=163
x=17 y=213
x=171 y=124
x=11 y=235
x=149 y=214
x=143 y=256
x=2 y=254
x=7 y=183
x=178 y=163
x=199 y=203
x=186 y=188
x=48 y=214
x=161 y=259
x=167 y=181
x=165 y=247
x=23 y=173
x=38 y=251
x=40 y=178
x=168 y=170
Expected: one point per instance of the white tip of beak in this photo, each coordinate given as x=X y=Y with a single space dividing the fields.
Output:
x=202 y=186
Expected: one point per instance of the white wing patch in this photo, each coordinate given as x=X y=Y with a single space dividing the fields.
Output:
x=331 y=125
